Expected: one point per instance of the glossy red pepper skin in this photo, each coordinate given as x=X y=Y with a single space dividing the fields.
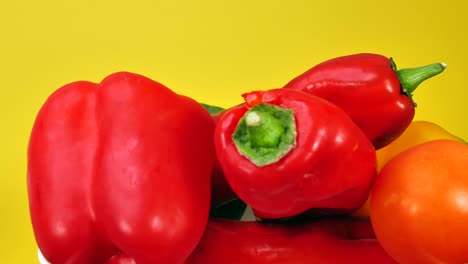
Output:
x=123 y=165
x=321 y=242
x=120 y=258
x=365 y=86
x=326 y=241
x=331 y=167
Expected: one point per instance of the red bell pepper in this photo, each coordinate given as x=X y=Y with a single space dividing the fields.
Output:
x=368 y=87
x=285 y=152
x=119 y=166
x=326 y=241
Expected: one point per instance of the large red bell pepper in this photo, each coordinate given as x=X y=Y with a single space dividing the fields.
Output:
x=326 y=241
x=368 y=87
x=119 y=166
x=285 y=152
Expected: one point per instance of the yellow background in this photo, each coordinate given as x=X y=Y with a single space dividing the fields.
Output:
x=212 y=51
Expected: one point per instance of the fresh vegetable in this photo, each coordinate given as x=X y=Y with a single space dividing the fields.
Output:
x=323 y=241
x=326 y=241
x=123 y=165
x=419 y=204
x=285 y=152
x=417 y=132
x=368 y=87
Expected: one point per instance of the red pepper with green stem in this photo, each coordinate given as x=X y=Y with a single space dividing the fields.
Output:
x=368 y=87
x=285 y=152
x=122 y=165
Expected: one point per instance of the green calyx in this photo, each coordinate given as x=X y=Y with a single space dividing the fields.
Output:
x=212 y=109
x=410 y=78
x=265 y=134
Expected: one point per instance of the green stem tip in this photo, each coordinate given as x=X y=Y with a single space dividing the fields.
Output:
x=265 y=134
x=411 y=78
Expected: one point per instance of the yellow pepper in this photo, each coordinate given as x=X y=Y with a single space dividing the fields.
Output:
x=418 y=132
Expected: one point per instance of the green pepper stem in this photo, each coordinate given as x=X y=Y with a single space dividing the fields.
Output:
x=410 y=78
x=265 y=134
x=264 y=129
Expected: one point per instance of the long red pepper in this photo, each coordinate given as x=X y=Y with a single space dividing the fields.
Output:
x=325 y=241
x=368 y=87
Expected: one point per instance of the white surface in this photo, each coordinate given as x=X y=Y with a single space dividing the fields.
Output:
x=42 y=260
x=248 y=215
